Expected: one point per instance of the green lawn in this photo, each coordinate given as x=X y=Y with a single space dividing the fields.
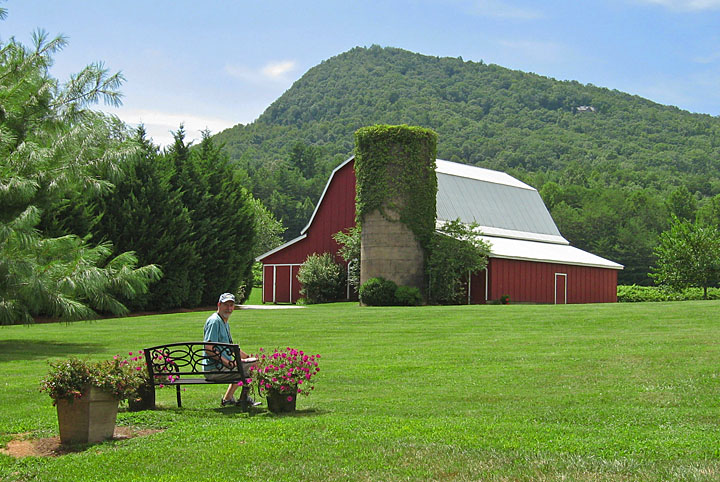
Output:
x=574 y=392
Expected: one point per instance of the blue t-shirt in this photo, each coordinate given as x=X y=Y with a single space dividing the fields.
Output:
x=218 y=331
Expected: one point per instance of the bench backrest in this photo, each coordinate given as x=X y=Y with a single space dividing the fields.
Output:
x=188 y=358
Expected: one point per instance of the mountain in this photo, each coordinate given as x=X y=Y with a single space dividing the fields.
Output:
x=611 y=166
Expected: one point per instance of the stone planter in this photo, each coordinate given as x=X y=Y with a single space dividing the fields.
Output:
x=281 y=402
x=89 y=419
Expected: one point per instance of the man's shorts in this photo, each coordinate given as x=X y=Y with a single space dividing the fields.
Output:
x=230 y=377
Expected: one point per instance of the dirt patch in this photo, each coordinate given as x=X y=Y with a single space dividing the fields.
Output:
x=51 y=447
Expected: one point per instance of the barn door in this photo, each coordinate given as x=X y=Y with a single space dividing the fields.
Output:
x=560 y=288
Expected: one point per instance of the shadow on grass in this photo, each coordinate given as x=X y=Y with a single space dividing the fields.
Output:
x=308 y=412
x=13 y=350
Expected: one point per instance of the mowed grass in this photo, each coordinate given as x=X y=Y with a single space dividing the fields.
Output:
x=574 y=392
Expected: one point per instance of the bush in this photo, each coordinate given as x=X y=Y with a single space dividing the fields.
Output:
x=378 y=292
x=408 y=296
x=634 y=293
x=323 y=280
x=456 y=249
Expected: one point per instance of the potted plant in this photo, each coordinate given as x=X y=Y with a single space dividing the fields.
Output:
x=87 y=394
x=283 y=375
x=144 y=396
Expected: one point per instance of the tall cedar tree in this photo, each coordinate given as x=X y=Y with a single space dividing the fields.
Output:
x=146 y=214
x=222 y=219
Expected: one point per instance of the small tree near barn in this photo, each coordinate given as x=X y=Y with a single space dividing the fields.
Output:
x=688 y=255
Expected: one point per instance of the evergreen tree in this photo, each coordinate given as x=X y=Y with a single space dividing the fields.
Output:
x=51 y=146
x=222 y=219
x=146 y=214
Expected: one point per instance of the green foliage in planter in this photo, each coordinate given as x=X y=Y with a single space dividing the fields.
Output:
x=395 y=170
x=378 y=292
x=456 y=250
x=408 y=296
x=67 y=379
x=323 y=280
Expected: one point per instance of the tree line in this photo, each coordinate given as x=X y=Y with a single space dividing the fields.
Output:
x=95 y=218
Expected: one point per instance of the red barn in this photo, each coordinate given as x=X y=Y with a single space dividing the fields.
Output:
x=530 y=261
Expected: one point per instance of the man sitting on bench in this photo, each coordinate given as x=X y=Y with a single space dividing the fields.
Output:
x=217 y=329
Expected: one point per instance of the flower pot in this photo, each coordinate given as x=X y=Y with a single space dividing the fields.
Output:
x=281 y=402
x=144 y=400
x=88 y=419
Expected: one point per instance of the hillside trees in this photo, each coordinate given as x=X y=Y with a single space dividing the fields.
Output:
x=485 y=115
x=52 y=145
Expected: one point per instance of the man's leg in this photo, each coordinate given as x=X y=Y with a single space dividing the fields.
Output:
x=230 y=391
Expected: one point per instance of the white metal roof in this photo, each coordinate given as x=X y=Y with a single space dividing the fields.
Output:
x=478 y=173
x=545 y=252
x=500 y=204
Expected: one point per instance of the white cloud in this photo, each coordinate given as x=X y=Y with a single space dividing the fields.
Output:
x=707 y=59
x=160 y=125
x=275 y=70
x=271 y=71
x=686 y=5
x=500 y=9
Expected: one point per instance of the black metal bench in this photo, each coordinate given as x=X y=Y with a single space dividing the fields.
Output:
x=183 y=364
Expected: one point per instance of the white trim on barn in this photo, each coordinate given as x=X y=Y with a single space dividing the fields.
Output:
x=327 y=185
x=280 y=248
x=274 y=276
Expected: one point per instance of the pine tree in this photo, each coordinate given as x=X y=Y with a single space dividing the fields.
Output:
x=52 y=145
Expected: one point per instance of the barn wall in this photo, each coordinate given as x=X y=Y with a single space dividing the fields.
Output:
x=526 y=281
x=335 y=213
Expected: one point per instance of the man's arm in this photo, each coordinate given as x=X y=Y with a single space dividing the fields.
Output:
x=211 y=353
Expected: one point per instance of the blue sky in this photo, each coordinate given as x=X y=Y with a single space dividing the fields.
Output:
x=217 y=63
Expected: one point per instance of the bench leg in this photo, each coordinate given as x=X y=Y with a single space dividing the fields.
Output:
x=178 y=396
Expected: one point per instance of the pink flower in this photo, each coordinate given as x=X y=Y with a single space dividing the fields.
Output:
x=290 y=399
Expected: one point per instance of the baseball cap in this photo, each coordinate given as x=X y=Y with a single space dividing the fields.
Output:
x=226 y=297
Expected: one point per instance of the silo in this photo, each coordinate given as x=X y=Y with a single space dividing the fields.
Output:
x=396 y=196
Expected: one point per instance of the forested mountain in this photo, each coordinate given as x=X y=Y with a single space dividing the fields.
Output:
x=611 y=167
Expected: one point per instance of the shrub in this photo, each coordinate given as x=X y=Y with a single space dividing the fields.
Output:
x=323 y=280
x=456 y=249
x=634 y=293
x=408 y=296
x=378 y=292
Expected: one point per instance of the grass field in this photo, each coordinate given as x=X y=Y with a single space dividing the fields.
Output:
x=573 y=392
